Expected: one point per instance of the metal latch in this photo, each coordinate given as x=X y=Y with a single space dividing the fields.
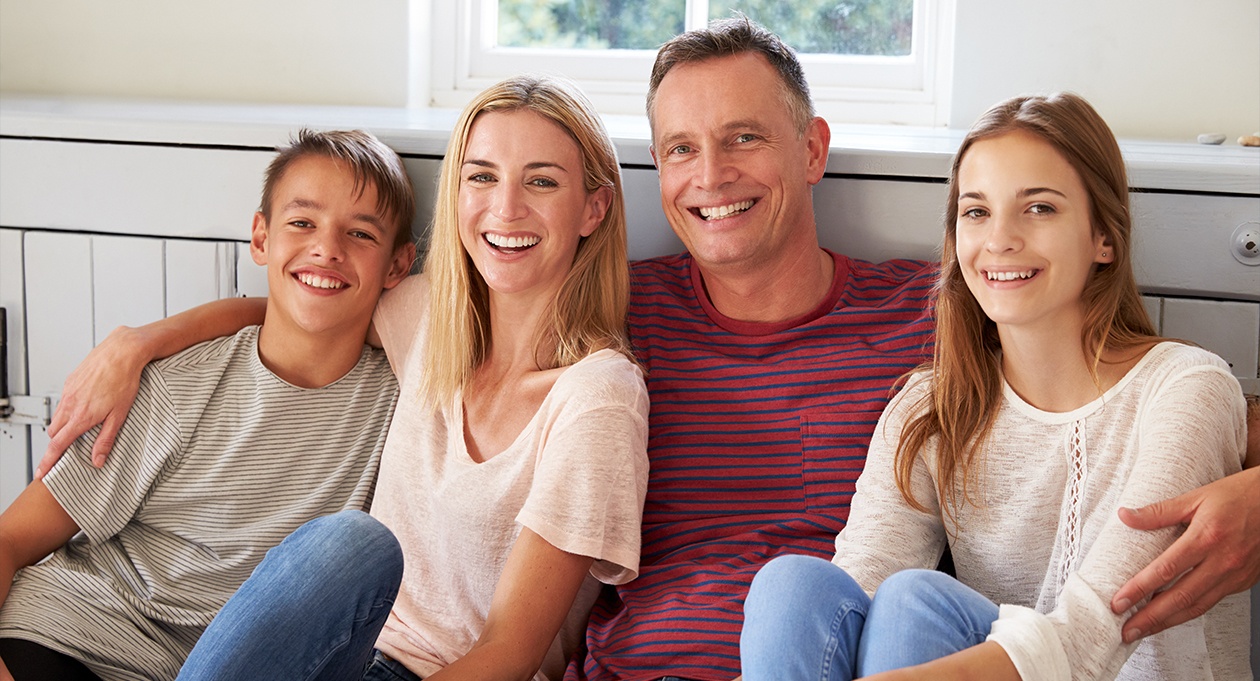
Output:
x=26 y=410
x=18 y=409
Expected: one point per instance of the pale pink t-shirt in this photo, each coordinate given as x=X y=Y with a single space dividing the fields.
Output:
x=576 y=475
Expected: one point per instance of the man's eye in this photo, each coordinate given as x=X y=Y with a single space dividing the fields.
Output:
x=361 y=234
x=680 y=149
x=746 y=137
x=301 y=223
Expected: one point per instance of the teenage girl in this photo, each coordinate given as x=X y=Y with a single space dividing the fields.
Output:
x=1049 y=405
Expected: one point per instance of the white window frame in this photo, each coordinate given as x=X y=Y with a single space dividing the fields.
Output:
x=463 y=59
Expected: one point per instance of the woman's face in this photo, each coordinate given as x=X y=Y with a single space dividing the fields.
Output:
x=523 y=204
x=1025 y=241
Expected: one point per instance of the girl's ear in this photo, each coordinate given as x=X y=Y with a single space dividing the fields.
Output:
x=1103 y=250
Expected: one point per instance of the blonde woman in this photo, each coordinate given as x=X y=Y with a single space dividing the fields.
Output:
x=1050 y=404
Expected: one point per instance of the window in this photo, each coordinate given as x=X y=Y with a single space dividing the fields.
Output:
x=867 y=61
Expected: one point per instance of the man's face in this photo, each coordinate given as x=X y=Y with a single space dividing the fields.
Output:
x=735 y=175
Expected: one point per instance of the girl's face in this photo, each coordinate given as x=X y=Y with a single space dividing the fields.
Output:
x=1024 y=240
x=523 y=204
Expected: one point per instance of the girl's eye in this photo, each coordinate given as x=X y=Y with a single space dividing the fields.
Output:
x=974 y=213
x=544 y=182
x=481 y=178
x=1041 y=209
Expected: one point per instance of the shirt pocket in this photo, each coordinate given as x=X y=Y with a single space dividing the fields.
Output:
x=833 y=453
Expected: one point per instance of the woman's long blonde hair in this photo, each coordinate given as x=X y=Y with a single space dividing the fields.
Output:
x=966 y=384
x=589 y=311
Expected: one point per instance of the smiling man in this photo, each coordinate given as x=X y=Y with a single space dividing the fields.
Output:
x=769 y=361
x=768 y=358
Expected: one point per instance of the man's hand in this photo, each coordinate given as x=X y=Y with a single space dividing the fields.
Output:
x=101 y=390
x=1218 y=555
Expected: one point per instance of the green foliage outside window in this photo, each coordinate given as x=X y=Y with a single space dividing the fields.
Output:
x=867 y=27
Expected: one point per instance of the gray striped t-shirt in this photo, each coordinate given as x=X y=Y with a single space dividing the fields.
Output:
x=218 y=461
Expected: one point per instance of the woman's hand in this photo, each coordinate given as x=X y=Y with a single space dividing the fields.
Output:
x=103 y=388
x=100 y=390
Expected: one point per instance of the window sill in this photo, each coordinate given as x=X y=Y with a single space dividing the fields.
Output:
x=856 y=150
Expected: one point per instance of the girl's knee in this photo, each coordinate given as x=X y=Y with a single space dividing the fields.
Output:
x=795 y=582
x=911 y=586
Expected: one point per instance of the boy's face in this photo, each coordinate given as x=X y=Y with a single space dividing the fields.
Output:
x=329 y=252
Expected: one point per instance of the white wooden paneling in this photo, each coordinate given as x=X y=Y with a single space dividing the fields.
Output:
x=880 y=219
x=1182 y=242
x=123 y=189
x=251 y=278
x=1228 y=328
x=59 y=306
x=58 y=313
x=13 y=300
x=647 y=232
x=14 y=439
x=423 y=173
x=198 y=272
x=128 y=283
x=1155 y=308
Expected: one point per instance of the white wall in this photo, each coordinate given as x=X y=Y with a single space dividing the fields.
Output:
x=284 y=51
x=1166 y=69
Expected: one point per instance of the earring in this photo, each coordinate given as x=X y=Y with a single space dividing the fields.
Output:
x=1104 y=254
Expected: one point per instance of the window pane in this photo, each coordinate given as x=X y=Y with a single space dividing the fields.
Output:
x=589 y=24
x=869 y=27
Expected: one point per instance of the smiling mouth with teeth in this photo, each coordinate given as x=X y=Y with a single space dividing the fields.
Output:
x=317 y=281
x=511 y=244
x=1010 y=276
x=719 y=212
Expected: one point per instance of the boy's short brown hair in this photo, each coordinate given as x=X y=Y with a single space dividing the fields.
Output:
x=369 y=159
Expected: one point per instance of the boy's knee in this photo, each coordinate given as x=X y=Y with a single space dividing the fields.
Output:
x=348 y=540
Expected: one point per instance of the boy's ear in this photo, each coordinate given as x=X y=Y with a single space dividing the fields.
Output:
x=258 y=240
x=400 y=264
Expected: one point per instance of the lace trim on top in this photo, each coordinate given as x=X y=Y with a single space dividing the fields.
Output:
x=1074 y=446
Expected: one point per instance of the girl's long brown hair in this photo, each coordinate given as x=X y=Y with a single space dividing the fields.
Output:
x=958 y=411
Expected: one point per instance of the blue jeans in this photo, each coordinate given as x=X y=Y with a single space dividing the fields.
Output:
x=807 y=619
x=312 y=609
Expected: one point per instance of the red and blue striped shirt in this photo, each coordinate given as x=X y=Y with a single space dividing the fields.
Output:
x=757 y=434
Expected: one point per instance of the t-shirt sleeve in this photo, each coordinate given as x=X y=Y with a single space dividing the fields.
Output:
x=398 y=317
x=591 y=474
x=1191 y=431
x=884 y=534
x=103 y=500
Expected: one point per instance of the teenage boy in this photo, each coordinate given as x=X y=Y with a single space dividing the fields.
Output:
x=231 y=445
